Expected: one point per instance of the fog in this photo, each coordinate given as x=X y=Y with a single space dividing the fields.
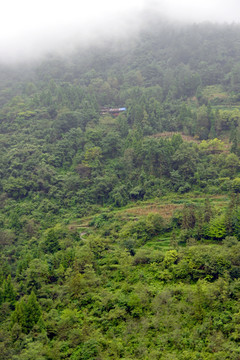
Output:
x=29 y=29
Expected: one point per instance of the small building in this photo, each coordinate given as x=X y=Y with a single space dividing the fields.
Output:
x=112 y=111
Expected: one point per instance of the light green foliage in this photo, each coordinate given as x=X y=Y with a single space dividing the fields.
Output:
x=143 y=230
x=89 y=350
x=93 y=156
x=171 y=257
x=34 y=350
x=212 y=146
x=228 y=117
x=37 y=274
x=109 y=249
x=213 y=91
x=216 y=228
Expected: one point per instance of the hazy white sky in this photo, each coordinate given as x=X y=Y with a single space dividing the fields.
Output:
x=30 y=27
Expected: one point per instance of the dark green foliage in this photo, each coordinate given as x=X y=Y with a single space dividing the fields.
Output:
x=88 y=351
x=8 y=293
x=120 y=234
x=189 y=217
x=67 y=120
x=27 y=313
x=51 y=243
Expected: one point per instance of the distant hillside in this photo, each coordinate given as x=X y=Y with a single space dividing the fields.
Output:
x=120 y=230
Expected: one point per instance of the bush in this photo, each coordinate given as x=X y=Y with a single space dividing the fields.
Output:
x=230 y=241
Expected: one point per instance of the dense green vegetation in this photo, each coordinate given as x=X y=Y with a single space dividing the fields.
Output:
x=120 y=234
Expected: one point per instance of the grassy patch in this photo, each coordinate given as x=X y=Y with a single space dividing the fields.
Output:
x=159 y=243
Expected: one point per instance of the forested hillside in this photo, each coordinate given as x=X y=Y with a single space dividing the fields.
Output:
x=120 y=229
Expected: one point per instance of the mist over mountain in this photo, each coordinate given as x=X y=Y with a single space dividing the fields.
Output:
x=33 y=30
x=120 y=181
